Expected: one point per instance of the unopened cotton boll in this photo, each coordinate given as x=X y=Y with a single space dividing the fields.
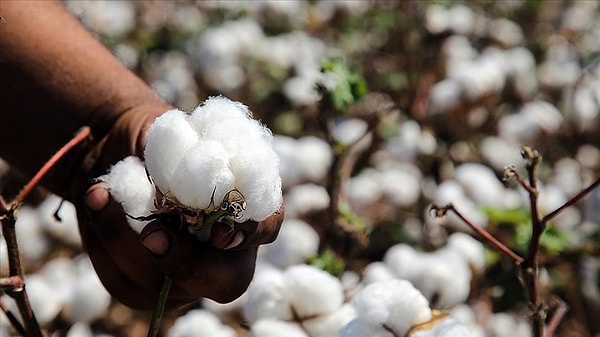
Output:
x=200 y=323
x=397 y=304
x=267 y=297
x=296 y=242
x=275 y=328
x=312 y=291
x=129 y=185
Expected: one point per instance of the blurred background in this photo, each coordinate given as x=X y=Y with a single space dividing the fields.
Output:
x=449 y=92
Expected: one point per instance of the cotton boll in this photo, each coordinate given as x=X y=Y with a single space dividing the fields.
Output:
x=496 y=326
x=401 y=185
x=296 y=241
x=312 y=291
x=365 y=188
x=203 y=176
x=445 y=278
x=291 y=173
x=3 y=257
x=451 y=191
x=33 y=243
x=349 y=131
x=88 y=300
x=45 y=302
x=314 y=156
x=403 y=260
x=507 y=32
x=445 y=96
x=268 y=297
x=469 y=248
x=436 y=19
x=328 y=325
x=479 y=77
x=80 y=329
x=397 y=304
x=67 y=228
x=499 y=152
x=169 y=137
x=129 y=185
x=360 y=328
x=447 y=327
x=60 y=274
x=216 y=110
x=199 y=323
x=377 y=271
x=275 y=328
x=303 y=199
x=481 y=183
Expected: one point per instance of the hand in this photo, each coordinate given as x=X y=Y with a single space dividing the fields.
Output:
x=132 y=267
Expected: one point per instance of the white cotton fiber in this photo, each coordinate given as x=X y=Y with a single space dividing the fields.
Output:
x=469 y=248
x=267 y=297
x=313 y=291
x=327 y=325
x=377 y=271
x=169 y=138
x=200 y=323
x=88 y=300
x=306 y=198
x=447 y=327
x=33 y=242
x=296 y=241
x=360 y=328
x=217 y=110
x=67 y=228
x=191 y=188
x=403 y=260
x=80 y=330
x=129 y=185
x=275 y=328
x=397 y=304
x=45 y=303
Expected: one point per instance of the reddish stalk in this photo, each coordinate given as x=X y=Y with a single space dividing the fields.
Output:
x=556 y=319
x=8 y=218
x=440 y=211
x=13 y=319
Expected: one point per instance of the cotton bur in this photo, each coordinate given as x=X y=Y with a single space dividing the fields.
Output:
x=216 y=163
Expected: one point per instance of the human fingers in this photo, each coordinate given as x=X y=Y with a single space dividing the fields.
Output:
x=247 y=234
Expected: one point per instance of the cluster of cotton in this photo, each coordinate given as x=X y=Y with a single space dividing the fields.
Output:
x=217 y=52
x=531 y=121
x=217 y=157
x=409 y=141
x=306 y=198
x=443 y=276
x=296 y=242
x=171 y=76
x=200 y=323
x=306 y=159
x=69 y=288
x=305 y=294
x=112 y=18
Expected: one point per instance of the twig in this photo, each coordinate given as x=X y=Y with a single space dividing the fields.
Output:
x=8 y=218
x=13 y=319
x=160 y=308
x=571 y=201
x=12 y=283
x=556 y=319
x=441 y=211
x=81 y=135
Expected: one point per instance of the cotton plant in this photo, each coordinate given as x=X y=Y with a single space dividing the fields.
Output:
x=215 y=163
x=393 y=308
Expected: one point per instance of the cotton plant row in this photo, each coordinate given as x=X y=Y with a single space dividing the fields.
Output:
x=216 y=161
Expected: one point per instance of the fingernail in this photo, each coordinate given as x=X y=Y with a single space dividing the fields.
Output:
x=97 y=197
x=157 y=242
x=237 y=240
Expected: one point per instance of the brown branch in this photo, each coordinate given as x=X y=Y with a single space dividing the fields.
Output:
x=13 y=319
x=12 y=283
x=441 y=211
x=571 y=201
x=556 y=319
x=81 y=135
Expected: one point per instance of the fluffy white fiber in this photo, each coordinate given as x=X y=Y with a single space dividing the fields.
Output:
x=129 y=185
x=216 y=148
x=397 y=304
x=313 y=291
x=275 y=328
x=267 y=297
x=296 y=242
x=448 y=327
x=200 y=323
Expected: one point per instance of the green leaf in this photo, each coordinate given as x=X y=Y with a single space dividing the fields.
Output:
x=328 y=261
x=349 y=86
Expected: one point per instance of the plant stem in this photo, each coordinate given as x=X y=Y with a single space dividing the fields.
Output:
x=160 y=308
x=13 y=320
x=485 y=234
x=81 y=135
x=571 y=201
x=8 y=219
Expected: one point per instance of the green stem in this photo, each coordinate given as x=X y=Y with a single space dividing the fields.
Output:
x=160 y=308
